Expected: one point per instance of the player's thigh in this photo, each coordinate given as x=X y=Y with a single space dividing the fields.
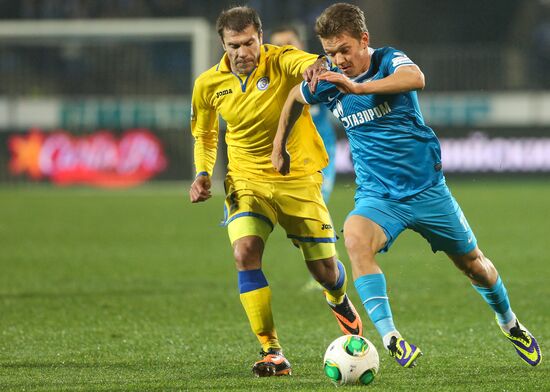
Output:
x=440 y=220
x=391 y=217
x=363 y=235
x=304 y=216
x=248 y=211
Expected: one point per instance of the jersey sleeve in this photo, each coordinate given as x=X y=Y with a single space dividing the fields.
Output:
x=294 y=61
x=392 y=59
x=204 y=128
x=323 y=93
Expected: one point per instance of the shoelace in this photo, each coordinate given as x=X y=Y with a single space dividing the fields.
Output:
x=266 y=353
x=518 y=333
x=392 y=347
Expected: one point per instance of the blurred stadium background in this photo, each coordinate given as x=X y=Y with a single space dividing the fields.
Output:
x=100 y=70
x=135 y=289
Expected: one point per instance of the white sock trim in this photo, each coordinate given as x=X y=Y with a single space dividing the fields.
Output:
x=387 y=337
x=509 y=325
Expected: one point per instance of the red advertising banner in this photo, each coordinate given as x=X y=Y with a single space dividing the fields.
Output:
x=103 y=158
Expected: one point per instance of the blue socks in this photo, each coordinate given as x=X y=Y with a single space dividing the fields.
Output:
x=372 y=290
x=341 y=277
x=497 y=298
x=251 y=280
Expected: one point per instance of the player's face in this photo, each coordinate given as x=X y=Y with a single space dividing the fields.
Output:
x=283 y=38
x=348 y=53
x=242 y=48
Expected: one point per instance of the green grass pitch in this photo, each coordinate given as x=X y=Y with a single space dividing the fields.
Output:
x=136 y=290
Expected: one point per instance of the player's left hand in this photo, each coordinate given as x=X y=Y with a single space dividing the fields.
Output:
x=311 y=74
x=280 y=158
x=200 y=189
x=341 y=81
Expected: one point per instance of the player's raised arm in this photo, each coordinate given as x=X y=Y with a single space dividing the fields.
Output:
x=405 y=78
x=309 y=66
x=291 y=112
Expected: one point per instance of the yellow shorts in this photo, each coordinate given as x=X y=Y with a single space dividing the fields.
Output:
x=253 y=207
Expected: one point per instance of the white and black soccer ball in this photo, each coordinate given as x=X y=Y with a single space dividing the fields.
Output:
x=351 y=359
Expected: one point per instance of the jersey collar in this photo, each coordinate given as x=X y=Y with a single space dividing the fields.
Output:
x=223 y=65
x=364 y=74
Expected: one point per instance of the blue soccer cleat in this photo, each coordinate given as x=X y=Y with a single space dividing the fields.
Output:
x=525 y=344
x=404 y=353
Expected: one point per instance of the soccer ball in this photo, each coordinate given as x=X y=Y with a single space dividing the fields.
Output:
x=351 y=359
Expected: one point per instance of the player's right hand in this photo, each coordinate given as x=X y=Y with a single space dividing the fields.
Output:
x=280 y=158
x=200 y=189
x=311 y=73
x=341 y=81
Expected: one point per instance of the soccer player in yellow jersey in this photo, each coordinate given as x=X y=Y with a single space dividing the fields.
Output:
x=248 y=88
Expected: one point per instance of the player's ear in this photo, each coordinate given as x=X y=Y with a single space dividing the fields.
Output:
x=261 y=36
x=365 y=39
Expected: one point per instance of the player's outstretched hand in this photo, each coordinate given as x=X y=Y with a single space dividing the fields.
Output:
x=341 y=81
x=200 y=189
x=311 y=74
x=280 y=158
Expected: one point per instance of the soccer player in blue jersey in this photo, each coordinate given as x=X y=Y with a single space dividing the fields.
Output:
x=288 y=35
x=400 y=184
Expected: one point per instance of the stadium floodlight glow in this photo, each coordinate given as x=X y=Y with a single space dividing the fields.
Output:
x=196 y=29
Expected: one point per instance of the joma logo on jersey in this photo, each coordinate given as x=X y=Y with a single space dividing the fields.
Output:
x=224 y=92
x=326 y=226
x=367 y=115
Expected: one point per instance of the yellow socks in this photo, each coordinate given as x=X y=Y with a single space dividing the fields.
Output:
x=256 y=300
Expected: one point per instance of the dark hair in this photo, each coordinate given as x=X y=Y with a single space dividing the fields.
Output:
x=283 y=28
x=238 y=19
x=341 y=18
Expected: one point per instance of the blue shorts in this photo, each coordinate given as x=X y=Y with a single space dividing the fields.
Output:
x=434 y=213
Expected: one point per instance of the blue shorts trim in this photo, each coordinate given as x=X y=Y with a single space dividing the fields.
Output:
x=433 y=213
x=252 y=214
x=312 y=239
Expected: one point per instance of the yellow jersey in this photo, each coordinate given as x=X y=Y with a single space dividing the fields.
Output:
x=251 y=106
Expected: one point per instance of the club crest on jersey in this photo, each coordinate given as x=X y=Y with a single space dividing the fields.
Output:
x=262 y=83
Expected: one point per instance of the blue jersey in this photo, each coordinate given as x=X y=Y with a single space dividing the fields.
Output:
x=395 y=155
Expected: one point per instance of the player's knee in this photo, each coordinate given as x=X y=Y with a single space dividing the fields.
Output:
x=247 y=254
x=478 y=268
x=357 y=245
